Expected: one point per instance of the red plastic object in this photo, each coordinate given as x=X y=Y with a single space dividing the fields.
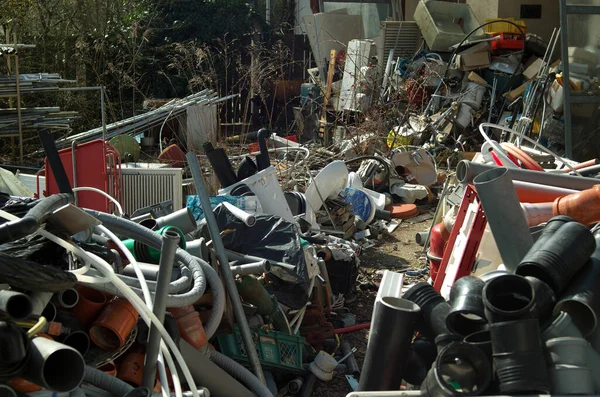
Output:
x=173 y=155
x=403 y=211
x=98 y=165
x=253 y=147
x=436 y=249
x=90 y=304
x=352 y=328
x=508 y=41
x=111 y=329
x=190 y=325
x=584 y=206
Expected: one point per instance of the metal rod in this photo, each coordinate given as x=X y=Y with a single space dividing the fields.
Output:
x=234 y=296
x=170 y=242
x=17 y=77
x=564 y=23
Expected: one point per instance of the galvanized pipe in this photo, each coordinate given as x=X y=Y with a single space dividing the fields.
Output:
x=504 y=215
x=170 y=243
x=229 y=280
x=466 y=171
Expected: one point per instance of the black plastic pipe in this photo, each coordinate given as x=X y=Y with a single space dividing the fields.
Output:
x=444 y=340
x=544 y=300
x=434 y=309
x=467 y=312
x=56 y=165
x=423 y=353
x=518 y=357
x=559 y=257
x=392 y=328
x=262 y=159
x=481 y=340
x=508 y=297
x=15 y=350
x=78 y=340
x=459 y=370
x=351 y=363
x=308 y=385
x=220 y=163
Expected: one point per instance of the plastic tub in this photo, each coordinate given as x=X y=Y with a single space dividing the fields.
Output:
x=440 y=23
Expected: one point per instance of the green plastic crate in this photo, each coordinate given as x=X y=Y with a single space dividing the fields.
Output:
x=276 y=350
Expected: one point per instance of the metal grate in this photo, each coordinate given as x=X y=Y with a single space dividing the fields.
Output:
x=145 y=187
x=404 y=37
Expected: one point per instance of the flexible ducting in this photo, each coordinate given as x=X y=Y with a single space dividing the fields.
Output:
x=241 y=373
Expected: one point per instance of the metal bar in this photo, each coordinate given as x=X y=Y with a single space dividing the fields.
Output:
x=564 y=36
x=18 y=45
x=170 y=242
x=583 y=9
x=234 y=296
x=17 y=77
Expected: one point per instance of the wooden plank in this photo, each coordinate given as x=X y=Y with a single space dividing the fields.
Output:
x=329 y=84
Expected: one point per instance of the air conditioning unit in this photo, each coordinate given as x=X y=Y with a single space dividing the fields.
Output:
x=402 y=36
x=143 y=187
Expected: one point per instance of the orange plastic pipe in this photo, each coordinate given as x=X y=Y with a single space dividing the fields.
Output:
x=190 y=326
x=523 y=157
x=109 y=368
x=90 y=304
x=111 y=329
x=23 y=386
x=534 y=193
x=585 y=164
x=583 y=206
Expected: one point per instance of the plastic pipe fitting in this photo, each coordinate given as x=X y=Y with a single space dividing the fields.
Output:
x=582 y=298
x=15 y=305
x=198 y=248
x=583 y=206
x=562 y=326
x=508 y=297
x=544 y=300
x=54 y=366
x=90 y=304
x=190 y=326
x=444 y=340
x=111 y=329
x=569 y=371
x=518 y=357
x=182 y=219
x=423 y=353
x=148 y=254
x=67 y=298
x=467 y=312
x=392 y=328
x=78 y=340
x=434 y=308
x=459 y=370
x=560 y=256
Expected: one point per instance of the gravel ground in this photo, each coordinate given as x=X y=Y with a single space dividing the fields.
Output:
x=397 y=252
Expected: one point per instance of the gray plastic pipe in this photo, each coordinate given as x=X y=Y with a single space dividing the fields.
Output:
x=182 y=219
x=248 y=219
x=211 y=375
x=54 y=366
x=170 y=242
x=150 y=271
x=39 y=301
x=234 y=296
x=504 y=215
x=197 y=248
x=16 y=305
x=251 y=268
x=242 y=258
x=241 y=373
x=569 y=372
x=199 y=269
x=67 y=298
x=466 y=171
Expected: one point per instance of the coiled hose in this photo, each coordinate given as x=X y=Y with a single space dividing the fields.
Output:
x=31 y=222
x=241 y=373
x=200 y=271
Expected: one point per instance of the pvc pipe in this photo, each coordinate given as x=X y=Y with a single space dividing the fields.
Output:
x=351 y=362
x=352 y=328
x=421 y=237
x=170 y=241
x=16 y=305
x=528 y=192
x=536 y=214
x=434 y=308
x=234 y=296
x=54 y=366
x=198 y=248
x=503 y=212
x=393 y=325
x=569 y=372
x=308 y=385
x=49 y=312
x=182 y=219
x=467 y=312
x=66 y=298
x=248 y=219
x=544 y=300
x=243 y=258
x=589 y=171
x=39 y=301
x=466 y=171
x=251 y=268
x=582 y=166
x=508 y=297
x=78 y=340
x=583 y=206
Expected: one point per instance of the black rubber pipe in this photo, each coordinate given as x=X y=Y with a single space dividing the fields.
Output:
x=460 y=370
x=434 y=309
x=444 y=340
x=544 y=300
x=56 y=165
x=560 y=256
x=467 y=312
x=423 y=353
x=308 y=385
x=508 y=297
x=392 y=328
x=220 y=163
x=518 y=357
x=481 y=340
x=262 y=160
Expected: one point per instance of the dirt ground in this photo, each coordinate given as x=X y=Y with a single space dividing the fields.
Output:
x=398 y=252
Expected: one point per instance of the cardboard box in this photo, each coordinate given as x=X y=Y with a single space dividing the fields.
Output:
x=533 y=69
x=517 y=92
x=475 y=78
x=475 y=61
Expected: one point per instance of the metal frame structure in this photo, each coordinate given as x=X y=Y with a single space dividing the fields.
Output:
x=565 y=11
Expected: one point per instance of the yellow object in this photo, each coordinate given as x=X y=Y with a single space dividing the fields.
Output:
x=501 y=26
x=398 y=138
x=37 y=327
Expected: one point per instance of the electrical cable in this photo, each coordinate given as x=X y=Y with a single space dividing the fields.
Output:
x=108 y=196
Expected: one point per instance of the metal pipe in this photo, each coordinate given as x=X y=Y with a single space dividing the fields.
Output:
x=229 y=280
x=251 y=268
x=248 y=219
x=15 y=304
x=67 y=298
x=54 y=366
x=466 y=171
x=170 y=243
x=504 y=215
